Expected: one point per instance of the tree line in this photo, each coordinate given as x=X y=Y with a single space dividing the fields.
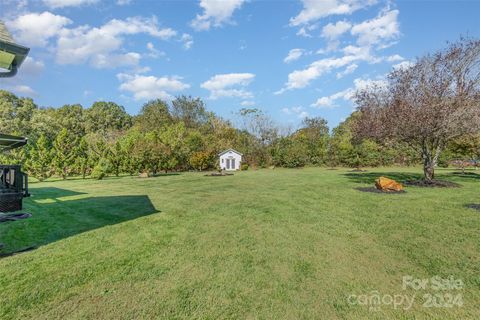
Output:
x=182 y=135
x=427 y=113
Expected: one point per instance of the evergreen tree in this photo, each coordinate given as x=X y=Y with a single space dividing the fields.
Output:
x=64 y=153
x=39 y=164
x=82 y=158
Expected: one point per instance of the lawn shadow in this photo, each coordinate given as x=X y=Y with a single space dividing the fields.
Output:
x=466 y=175
x=52 y=193
x=59 y=213
x=370 y=177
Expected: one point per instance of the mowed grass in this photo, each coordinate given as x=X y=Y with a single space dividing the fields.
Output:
x=267 y=244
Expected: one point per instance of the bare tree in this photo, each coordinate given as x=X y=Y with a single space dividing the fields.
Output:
x=426 y=105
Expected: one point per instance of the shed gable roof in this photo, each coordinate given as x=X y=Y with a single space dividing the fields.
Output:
x=228 y=150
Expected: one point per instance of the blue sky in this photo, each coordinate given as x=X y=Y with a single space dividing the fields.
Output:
x=289 y=58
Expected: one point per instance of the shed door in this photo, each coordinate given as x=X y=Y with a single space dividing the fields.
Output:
x=233 y=163
x=228 y=163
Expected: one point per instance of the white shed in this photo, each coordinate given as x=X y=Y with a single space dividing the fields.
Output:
x=230 y=160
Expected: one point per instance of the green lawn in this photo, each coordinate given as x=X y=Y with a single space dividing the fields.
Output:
x=267 y=244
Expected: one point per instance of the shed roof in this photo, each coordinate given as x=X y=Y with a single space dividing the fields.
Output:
x=8 y=142
x=228 y=150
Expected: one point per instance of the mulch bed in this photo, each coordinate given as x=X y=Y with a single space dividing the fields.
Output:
x=357 y=170
x=432 y=184
x=375 y=190
x=473 y=206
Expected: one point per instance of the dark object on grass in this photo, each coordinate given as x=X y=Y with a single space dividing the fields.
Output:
x=357 y=170
x=13 y=182
x=432 y=184
x=14 y=216
x=218 y=174
x=13 y=188
x=375 y=190
x=473 y=206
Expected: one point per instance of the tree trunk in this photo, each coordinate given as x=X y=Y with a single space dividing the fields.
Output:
x=429 y=163
x=428 y=170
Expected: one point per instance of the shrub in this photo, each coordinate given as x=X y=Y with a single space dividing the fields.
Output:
x=200 y=160
x=244 y=167
x=100 y=170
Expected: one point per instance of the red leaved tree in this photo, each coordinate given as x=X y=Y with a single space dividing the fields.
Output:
x=427 y=104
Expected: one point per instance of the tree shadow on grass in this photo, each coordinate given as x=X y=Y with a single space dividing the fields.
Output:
x=467 y=175
x=58 y=214
x=370 y=177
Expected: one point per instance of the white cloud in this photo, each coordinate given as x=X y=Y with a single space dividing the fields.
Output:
x=383 y=27
x=347 y=94
x=123 y=2
x=215 y=13
x=247 y=103
x=329 y=101
x=403 y=65
x=101 y=47
x=187 y=41
x=35 y=29
x=23 y=89
x=315 y=9
x=370 y=35
x=153 y=52
x=229 y=85
x=151 y=87
x=333 y=31
x=394 y=58
x=361 y=84
x=103 y=61
x=298 y=111
x=98 y=46
x=31 y=67
x=54 y=4
x=293 y=55
x=302 y=78
x=348 y=70
x=305 y=30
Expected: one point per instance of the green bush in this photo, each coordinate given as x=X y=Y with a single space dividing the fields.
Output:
x=100 y=170
x=244 y=167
